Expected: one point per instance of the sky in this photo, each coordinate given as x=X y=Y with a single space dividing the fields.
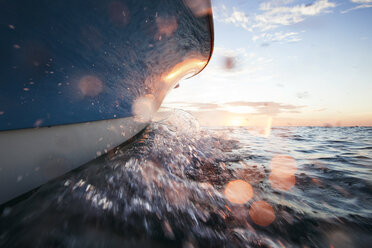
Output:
x=285 y=63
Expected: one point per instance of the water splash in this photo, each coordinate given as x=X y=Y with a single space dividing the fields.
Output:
x=171 y=187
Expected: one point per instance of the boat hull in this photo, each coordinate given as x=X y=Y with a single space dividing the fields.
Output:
x=31 y=157
x=79 y=77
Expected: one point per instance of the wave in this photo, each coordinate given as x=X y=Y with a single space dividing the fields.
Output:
x=169 y=188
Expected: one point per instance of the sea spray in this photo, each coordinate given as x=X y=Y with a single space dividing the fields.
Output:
x=180 y=185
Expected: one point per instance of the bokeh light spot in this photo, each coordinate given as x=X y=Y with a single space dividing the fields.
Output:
x=38 y=123
x=282 y=182
x=144 y=108
x=283 y=169
x=166 y=25
x=229 y=62
x=199 y=7
x=90 y=85
x=238 y=191
x=262 y=213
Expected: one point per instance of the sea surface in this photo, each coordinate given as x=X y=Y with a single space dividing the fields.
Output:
x=181 y=185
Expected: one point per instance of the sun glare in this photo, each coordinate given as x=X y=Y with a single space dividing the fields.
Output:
x=235 y=122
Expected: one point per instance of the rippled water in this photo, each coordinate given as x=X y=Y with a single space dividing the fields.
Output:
x=179 y=185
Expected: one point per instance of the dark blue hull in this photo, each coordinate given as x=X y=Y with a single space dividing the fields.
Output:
x=75 y=61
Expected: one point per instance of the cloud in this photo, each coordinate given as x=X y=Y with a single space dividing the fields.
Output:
x=277 y=36
x=361 y=1
x=201 y=106
x=268 y=108
x=362 y=4
x=274 y=16
x=259 y=108
x=223 y=115
x=303 y=94
x=238 y=18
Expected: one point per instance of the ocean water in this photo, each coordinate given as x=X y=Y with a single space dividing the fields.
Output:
x=181 y=185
